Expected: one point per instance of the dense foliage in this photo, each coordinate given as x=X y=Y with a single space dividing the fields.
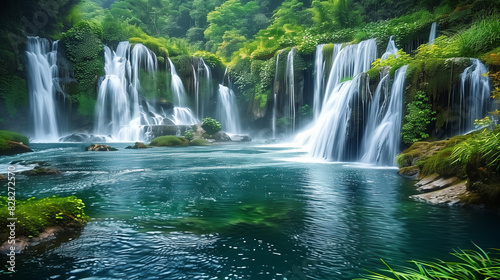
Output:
x=211 y=126
x=418 y=117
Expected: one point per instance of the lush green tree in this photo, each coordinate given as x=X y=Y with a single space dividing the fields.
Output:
x=230 y=16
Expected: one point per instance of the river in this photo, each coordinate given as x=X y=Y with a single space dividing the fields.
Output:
x=237 y=212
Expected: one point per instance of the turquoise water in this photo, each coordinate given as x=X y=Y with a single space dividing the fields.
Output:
x=237 y=212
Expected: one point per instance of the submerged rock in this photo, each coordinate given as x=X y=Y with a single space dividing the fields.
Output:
x=39 y=170
x=2 y=177
x=137 y=145
x=100 y=148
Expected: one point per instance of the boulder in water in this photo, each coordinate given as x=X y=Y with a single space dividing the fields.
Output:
x=39 y=170
x=221 y=137
x=100 y=148
x=137 y=145
x=14 y=148
x=82 y=138
x=241 y=138
x=2 y=177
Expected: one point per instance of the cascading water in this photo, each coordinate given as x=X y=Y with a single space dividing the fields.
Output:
x=42 y=74
x=391 y=49
x=227 y=110
x=381 y=145
x=202 y=87
x=319 y=76
x=432 y=34
x=290 y=90
x=351 y=60
x=113 y=103
x=182 y=114
x=275 y=97
x=120 y=110
x=319 y=68
x=328 y=137
x=474 y=96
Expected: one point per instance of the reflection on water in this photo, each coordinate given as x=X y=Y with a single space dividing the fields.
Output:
x=237 y=212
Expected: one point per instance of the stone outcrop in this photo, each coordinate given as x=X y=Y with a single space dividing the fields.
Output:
x=100 y=148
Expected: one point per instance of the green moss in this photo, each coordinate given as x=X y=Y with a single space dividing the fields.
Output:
x=35 y=215
x=6 y=135
x=198 y=142
x=86 y=106
x=169 y=141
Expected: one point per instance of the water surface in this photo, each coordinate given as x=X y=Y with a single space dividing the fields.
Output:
x=237 y=212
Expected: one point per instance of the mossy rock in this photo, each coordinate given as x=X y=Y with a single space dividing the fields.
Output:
x=198 y=142
x=38 y=171
x=13 y=143
x=35 y=215
x=169 y=141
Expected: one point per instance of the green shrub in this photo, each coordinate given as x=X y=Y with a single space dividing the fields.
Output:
x=169 y=141
x=189 y=135
x=211 y=126
x=418 y=117
x=6 y=135
x=35 y=215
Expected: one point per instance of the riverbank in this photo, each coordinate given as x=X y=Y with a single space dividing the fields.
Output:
x=460 y=170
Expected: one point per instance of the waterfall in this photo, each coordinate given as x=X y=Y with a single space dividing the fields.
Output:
x=120 y=110
x=319 y=76
x=328 y=137
x=391 y=49
x=290 y=90
x=203 y=95
x=474 y=96
x=227 y=110
x=350 y=61
x=319 y=68
x=382 y=136
x=432 y=34
x=275 y=97
x=42 y=84
x=113 y=105
x=182 y=114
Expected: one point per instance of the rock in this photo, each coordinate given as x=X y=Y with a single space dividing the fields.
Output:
x=137 y=145
x=14 y=148
x=450 y=195
x=38 y=170
x=50 y=233
x=410 y=171
x=221 y=137
x=100 y=148
x=427 y=180
x=438 y=184
x=241 y=138
x=2 y=177
x=83 y=138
